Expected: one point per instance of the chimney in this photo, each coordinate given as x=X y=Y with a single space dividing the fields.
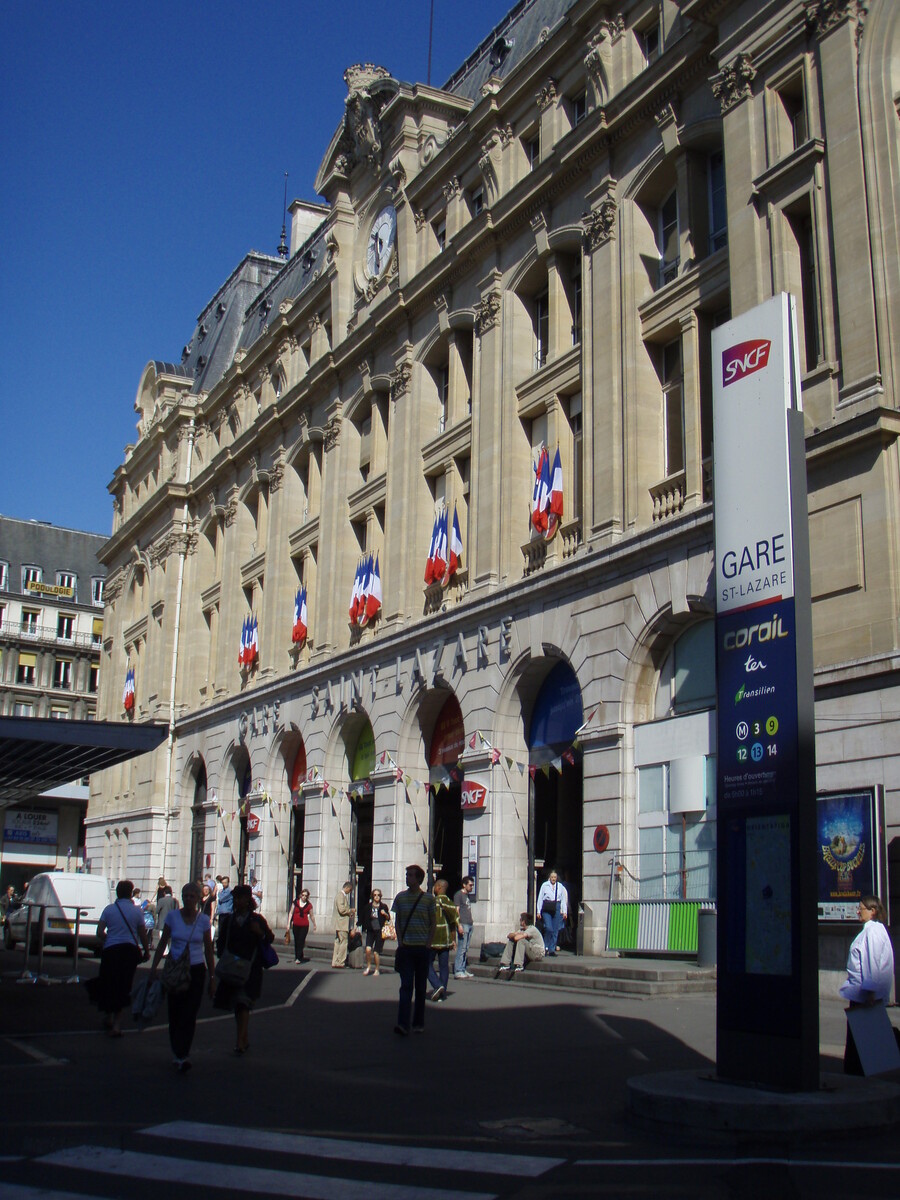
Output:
x=305 y=219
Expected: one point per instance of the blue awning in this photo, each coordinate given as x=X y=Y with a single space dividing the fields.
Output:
x=558 y=712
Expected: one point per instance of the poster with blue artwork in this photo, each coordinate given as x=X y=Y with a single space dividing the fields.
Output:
x=847 y=852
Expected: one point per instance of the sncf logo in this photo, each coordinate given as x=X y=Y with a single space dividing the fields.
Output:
x=743 y=359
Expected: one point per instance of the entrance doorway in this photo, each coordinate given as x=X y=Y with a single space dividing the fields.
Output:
x=446 y=837
x=557 y=835
x=445 y=814
x=556 y=808
x=362 y=839
x=198 y=825
x=298 y=826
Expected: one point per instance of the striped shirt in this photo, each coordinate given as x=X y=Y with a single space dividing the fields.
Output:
x=413 y=920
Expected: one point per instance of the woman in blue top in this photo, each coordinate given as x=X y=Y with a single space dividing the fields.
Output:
x=186 y=931
x=124 y=936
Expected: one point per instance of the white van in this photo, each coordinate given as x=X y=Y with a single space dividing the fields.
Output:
x=61 y=893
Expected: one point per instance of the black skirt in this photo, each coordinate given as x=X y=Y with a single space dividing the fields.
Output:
x=117 y=967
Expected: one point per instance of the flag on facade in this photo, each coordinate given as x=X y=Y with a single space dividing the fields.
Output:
x=429 y=566
x=455 y=550
x=440 y=550
x=555 y=505
x=298 y=634
x=245 y=642
x=540 y=497
x=373 y=594
x=253 y=642
x=354 y=596
x=128 y=692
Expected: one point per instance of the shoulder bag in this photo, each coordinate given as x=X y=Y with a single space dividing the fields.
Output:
x=388 y=932
x=176 y=972
x=230 y=968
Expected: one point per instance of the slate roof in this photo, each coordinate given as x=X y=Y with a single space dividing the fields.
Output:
x=242 y=308
x=523 y=26
x=219 y=328
x=53 y=548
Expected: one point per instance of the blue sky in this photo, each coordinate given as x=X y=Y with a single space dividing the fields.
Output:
x=142 y=153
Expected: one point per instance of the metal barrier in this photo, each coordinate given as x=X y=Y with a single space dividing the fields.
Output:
x=656 y=911
x=29 y=976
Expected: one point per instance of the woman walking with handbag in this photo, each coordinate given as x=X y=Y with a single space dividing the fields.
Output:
x=188 y=932
x=242 y=935
x=125 y=944
x=301 y=918
x=377 y=915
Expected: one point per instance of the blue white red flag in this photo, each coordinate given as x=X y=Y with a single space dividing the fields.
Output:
x=298 y=635
x=242 y=652
x=556 y=496
x=374 y=597
x=128 y=693
x=355 y=594
x=455 y=549
x=365 y=584
x=253 y=642
x=440 y=550
x=429 y=566
x=540 y=496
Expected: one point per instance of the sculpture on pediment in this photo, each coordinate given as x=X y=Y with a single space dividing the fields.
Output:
x=369 y=87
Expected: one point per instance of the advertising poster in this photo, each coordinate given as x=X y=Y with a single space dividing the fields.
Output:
x=32 y=825
x=846 y=842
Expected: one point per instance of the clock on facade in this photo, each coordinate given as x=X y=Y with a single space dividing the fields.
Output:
x=381 y=242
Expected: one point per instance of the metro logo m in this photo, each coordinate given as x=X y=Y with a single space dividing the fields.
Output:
x=743 y=359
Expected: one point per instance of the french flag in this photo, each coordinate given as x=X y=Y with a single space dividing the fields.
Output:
x=429 y=566
x=354 y=596
x=440 y=550
x=374 y=597
x=365 y=584
x=299 y=632
x=540 y=497
x=253 y=642
x=242 y=653
x=556 y=488
x=456 y=548
x=128 y=692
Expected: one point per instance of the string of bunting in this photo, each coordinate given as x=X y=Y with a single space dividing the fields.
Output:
x=314 y=776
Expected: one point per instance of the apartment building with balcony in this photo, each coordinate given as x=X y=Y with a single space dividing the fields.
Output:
x=517 y=272
x=51 y=637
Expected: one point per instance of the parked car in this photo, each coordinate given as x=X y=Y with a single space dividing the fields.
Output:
x=61 y=893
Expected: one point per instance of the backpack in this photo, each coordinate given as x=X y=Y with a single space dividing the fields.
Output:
x=492 y=950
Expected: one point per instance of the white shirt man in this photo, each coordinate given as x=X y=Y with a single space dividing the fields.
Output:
x=552 y=911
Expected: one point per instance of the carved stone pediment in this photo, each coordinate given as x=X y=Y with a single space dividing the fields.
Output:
x=369 y=89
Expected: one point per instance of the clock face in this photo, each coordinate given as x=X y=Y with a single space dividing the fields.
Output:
x=381 y=242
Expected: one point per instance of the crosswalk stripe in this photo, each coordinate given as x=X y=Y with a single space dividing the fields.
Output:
x=254 y=1180
x=471 y=1161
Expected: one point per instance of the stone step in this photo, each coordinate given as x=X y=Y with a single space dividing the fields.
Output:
x=605 y=976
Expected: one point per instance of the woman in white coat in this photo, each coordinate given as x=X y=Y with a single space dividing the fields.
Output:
x=870 y=969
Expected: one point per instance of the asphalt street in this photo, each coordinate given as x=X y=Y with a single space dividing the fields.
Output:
x=513 y=1090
